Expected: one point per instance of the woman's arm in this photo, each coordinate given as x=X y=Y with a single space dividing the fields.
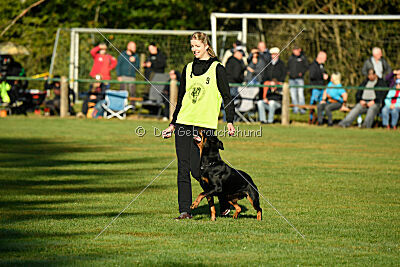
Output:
x=223 y=87
x=181 y=94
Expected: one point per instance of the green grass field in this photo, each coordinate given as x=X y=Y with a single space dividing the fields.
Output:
x=62 y=182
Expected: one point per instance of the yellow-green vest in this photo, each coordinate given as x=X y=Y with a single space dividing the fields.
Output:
x=202 y=101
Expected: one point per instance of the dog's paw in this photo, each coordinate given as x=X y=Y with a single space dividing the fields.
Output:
x=213 y=219
x=194 y=205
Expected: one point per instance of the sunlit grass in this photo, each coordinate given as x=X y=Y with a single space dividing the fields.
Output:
x=62 y=182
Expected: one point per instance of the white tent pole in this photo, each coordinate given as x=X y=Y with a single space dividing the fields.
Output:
x=71 y=59
x=244 y=31
x=76 y=65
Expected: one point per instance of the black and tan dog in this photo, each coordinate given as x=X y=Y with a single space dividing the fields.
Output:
x=219 y=179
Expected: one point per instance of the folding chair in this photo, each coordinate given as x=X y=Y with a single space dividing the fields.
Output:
x=116 y=104
x=155 y=100
x=246 y=107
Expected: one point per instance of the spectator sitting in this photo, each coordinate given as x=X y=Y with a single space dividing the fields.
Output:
x=392 y=77
x=368 y=101
x=54 y=104
x=96 y=93
x=128 y=64
x=255 y=67
x=235 y=70
x=155 y=62
x=271 y=101
x=333 y=98
x=318 y=76
x=392 y=107
x=378 y=63
x=173 y=75
x=297 y=67
x=103 y=62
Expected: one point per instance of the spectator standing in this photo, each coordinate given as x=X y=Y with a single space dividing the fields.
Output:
x=392 y=107
x=368 y=101
x=378 y=63
x=318 y=76
x=263 y=52
x=235 y=70
x=103 y=63
x=333 y=98
x=128 y=64
x=297 y=67
x=155 y=62
x=228 y=53
x=255 y=68
x=275 y=71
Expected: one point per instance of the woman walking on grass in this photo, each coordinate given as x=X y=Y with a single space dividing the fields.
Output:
x=202 y=88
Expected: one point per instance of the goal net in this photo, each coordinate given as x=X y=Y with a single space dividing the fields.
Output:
x=73 y=50
x=348 y=40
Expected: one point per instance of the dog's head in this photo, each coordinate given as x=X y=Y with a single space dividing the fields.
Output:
x=208 y=144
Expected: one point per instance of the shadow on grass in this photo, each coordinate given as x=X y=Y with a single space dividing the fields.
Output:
x=11 y=204
x=205 y=210
x=69 y=216
x=28 y=158
x=36 y=152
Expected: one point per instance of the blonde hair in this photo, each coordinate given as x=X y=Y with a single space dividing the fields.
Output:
x=336 y=77
x=201 y=36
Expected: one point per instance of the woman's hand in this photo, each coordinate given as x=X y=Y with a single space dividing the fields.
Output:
x=167 y=133
x=231 y=129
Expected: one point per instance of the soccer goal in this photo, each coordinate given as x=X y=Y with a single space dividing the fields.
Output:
x=72 y=48
x=347 y=39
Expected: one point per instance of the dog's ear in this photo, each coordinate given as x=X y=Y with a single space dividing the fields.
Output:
x=220 y=145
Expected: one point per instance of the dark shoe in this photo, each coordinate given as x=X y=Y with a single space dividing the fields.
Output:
x=225 y=213
x=184 y=215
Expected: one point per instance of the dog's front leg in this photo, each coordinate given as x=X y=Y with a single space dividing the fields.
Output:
x=198 y=200
x=210 y=200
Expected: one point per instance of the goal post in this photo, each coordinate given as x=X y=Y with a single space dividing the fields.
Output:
x=270 y=16
x=347 y=39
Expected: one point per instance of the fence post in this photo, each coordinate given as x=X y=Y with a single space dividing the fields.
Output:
x=285 y=104
x=173 y=97
x=64 y=97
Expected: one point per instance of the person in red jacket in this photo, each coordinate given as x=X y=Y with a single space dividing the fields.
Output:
x=103 y=63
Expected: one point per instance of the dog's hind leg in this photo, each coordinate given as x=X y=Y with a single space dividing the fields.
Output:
x=237 y=208
x=212 y=208
x=254 y=199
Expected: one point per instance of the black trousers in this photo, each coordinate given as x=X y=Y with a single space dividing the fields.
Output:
x=188 y=155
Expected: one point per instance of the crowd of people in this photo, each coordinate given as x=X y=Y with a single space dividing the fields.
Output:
x=264 y=67
x=126 y=66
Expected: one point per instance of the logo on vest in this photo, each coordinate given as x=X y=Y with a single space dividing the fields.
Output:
x=196 y=92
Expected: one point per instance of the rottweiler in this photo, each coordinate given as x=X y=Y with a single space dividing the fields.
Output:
x=219 y=179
